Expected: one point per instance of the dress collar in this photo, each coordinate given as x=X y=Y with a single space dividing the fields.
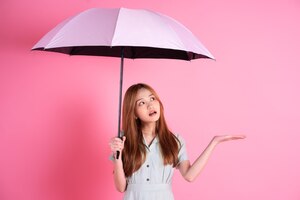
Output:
x=154 y=141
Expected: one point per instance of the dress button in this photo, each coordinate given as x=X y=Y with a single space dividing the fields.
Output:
x=148 y=179
x=147 y=165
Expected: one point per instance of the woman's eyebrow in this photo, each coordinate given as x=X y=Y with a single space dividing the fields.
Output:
x=143 y=98
x=139 y=100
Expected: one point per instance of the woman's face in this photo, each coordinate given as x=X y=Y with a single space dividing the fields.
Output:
x=147 y=107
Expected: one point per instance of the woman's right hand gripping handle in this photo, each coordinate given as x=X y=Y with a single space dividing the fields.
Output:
x=117 y=144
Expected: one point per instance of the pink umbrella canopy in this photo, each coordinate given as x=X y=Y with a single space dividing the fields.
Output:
x=142 y=33
x=125 y=33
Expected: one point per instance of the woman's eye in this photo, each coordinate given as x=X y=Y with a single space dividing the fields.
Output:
x=141 y=103
x=152 y=98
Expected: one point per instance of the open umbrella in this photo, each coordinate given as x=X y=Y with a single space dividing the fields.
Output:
x=125 y=33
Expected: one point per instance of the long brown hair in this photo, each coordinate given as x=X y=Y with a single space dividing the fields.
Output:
x=134 y=152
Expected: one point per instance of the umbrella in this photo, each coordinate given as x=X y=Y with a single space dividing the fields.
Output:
x=124 y=33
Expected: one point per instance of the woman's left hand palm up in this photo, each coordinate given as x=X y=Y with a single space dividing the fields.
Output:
x=224 y=138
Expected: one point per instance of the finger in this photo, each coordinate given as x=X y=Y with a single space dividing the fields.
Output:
x=115 y=145
x=113 y=141
x=119 y=149
x=117 y=141
x=239 y=136
x=234 y=138
x=119 y=146
x=116 y=149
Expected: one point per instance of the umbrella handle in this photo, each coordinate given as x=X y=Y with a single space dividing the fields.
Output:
x=118 y=152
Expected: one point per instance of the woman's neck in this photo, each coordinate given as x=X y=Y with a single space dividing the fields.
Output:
x=149 y=133
x=149 y=130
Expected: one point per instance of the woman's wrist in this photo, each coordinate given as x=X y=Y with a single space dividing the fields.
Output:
x=118 y=161
x=214 y=142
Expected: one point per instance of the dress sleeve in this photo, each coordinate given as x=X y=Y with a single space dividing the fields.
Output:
x=182 y=155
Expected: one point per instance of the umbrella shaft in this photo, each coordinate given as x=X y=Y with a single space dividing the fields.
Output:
x=120 y=95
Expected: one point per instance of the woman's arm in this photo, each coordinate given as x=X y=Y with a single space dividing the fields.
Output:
x=117 y=144
x=191 y=172
x=119 y=175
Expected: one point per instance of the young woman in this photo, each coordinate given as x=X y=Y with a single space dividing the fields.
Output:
x=149 y=151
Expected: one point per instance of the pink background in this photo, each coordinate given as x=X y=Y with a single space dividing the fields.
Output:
x=57 y=112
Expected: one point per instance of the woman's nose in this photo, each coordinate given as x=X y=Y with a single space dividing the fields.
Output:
x=150 y=105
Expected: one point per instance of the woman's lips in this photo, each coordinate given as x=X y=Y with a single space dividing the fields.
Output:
x=152 y=113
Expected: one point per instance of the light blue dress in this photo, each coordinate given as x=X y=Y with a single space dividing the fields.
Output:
x=153 y=180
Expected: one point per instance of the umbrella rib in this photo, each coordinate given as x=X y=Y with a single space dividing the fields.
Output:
x=132 y=52
x=175 y=33
x=67 y=21
x=113 y=36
